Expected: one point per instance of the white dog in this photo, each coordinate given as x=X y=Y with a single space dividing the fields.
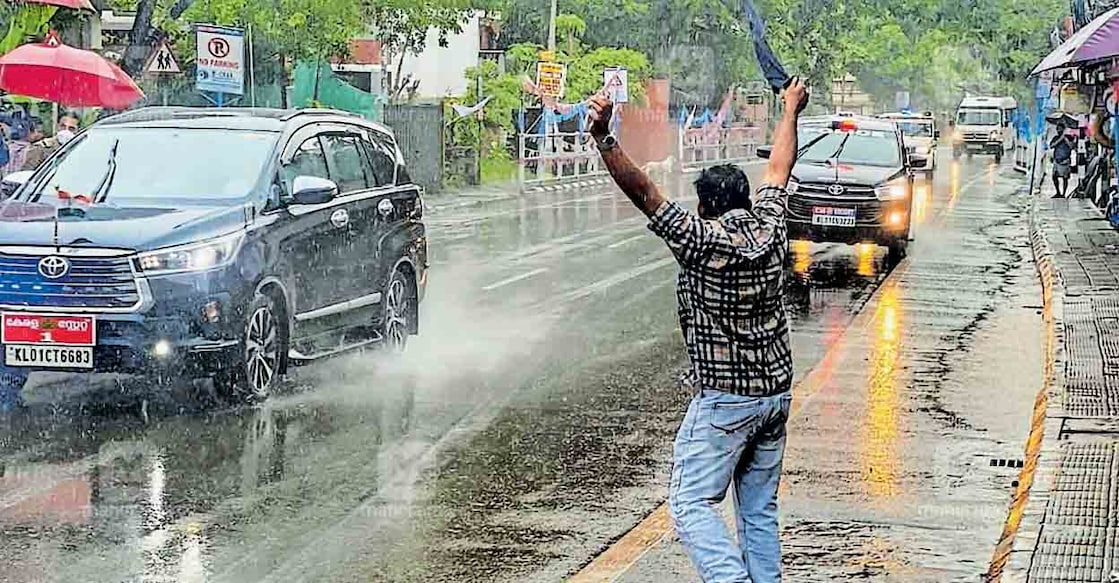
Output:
x=660 y=172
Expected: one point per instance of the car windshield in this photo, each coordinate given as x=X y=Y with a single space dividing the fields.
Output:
x=858 y=148
x=979 y=117
x=916 y=129
x=158 y=164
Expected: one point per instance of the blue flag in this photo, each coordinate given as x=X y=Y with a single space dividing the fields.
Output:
x=771 y=67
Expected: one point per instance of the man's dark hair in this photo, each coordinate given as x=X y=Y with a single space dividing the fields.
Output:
x=722 y=188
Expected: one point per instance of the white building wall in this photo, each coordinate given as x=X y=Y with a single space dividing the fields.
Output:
x=441 y=70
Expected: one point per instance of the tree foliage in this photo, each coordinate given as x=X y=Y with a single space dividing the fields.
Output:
x=935 y=49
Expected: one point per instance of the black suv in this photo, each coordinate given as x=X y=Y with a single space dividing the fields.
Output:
x=852 y=183
x=222 y=242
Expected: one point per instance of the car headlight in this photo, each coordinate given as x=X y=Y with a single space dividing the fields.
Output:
x=996 y=136
x=892 y=190
x=193 y=257
x=921 y=150
x=792 y=187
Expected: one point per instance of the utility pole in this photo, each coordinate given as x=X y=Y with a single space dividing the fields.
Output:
x=552 y=28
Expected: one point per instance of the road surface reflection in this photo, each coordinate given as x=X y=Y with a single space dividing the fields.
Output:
x=880 y=431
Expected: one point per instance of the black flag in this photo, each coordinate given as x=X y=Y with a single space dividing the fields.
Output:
x=774 y=72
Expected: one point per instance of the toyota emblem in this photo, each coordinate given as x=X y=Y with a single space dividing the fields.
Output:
x=836 y=189
x=54 y=267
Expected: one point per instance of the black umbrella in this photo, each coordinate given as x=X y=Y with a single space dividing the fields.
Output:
x=1063 y=119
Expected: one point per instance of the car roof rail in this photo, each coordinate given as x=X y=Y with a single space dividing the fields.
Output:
x=172 y=112
x=319 y=111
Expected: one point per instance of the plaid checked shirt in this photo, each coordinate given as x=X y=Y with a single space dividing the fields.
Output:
x=730 y=294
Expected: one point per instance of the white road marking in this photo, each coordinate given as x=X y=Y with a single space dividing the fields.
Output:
x=625 y=241
x=514 y=279
x=613 y=280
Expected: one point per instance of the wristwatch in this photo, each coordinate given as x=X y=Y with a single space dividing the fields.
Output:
x=606 y=144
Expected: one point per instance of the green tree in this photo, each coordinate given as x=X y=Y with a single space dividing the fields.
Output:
x=700 y=44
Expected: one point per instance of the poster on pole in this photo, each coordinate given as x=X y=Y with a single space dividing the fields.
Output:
x=551 y=78
x=616 y=82
x=220 y=59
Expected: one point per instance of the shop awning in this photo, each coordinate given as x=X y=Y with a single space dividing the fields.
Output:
x=1097 y=41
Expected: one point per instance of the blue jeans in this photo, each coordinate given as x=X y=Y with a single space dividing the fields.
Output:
x=727 y=438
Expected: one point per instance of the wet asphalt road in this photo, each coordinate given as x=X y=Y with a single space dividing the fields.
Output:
x=530 y=423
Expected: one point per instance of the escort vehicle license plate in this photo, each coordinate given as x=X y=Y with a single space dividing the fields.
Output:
x=827 y=216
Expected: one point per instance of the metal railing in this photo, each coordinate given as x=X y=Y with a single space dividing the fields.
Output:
x=1022 y=153
x=569 y=157
x=701 y=147
x=557 y=158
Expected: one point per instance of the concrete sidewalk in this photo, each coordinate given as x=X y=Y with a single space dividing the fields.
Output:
x=1067 y=530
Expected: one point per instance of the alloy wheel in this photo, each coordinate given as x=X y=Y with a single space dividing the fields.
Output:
x=397 y=314
x=262 y=354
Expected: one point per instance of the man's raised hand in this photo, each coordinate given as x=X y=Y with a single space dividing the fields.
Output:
x=796 y=96
x=601 y=109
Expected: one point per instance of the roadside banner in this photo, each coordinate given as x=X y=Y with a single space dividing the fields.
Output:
x=220 y=60
x=551 y=78
x=466 y=111
x=615 y=80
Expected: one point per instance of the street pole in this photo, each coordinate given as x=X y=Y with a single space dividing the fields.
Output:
x=252 y=68
x=481 y=129
x=552 y=28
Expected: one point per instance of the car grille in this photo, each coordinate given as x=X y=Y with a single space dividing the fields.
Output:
x=849 y=190
x=92 y=283
x=976 y=136
x=868 y=211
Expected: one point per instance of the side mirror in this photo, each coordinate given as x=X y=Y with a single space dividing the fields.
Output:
x=918 y=162
x=936 y=135
x=764 y=152
x=13 y=182
x=313 y=190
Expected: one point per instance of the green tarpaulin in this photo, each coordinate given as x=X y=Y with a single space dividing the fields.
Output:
x=316 y=85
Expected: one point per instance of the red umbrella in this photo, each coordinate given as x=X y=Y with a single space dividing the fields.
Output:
x=68 y=76
x=73 y=4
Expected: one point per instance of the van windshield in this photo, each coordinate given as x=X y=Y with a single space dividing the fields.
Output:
x=208 y=165
x=979 y=117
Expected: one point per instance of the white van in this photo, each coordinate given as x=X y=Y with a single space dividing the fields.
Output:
x=984 y=125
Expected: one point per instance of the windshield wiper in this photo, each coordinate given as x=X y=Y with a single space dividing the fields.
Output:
x=801 y=150
x=835 y=154
x=102 y=191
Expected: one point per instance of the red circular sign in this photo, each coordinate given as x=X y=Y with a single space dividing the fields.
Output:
x=218 y=47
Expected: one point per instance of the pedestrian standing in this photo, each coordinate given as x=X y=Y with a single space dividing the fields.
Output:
x=20 y=142
x=730 y=294
x=1061 y=148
